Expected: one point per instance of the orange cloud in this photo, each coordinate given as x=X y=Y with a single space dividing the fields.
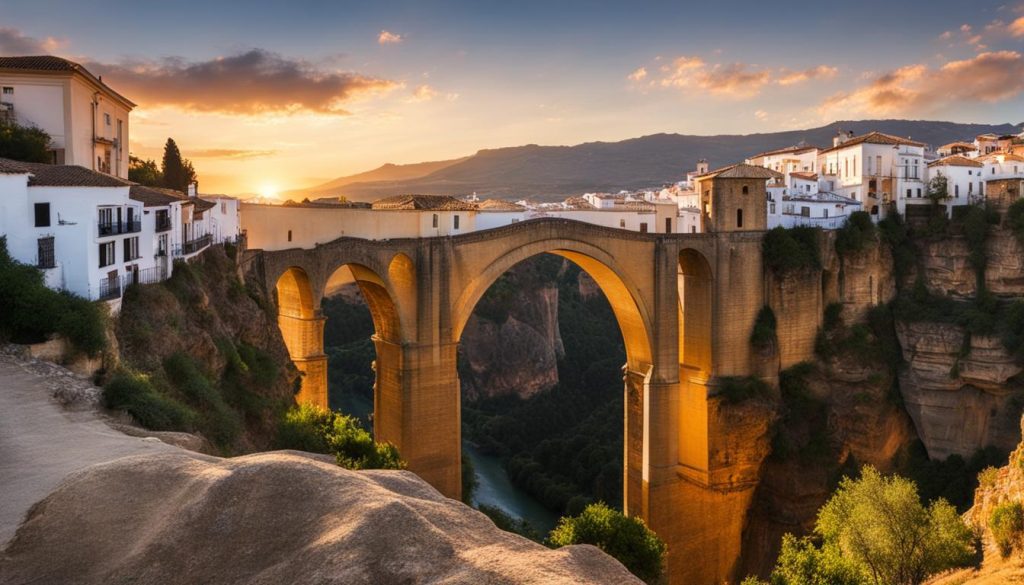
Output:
x=1016 y=27
x=229 y=153
x=733 y=80
x=389 y=38
x=794 y=77
x=916 y=89
x=638 y=75
x=254 y=82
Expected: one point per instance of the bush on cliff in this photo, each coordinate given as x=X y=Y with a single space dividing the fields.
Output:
x=30 y=312
x=856 y=233
x=625 y=538
x=136 y=395
x=787 y=250
x=763 y=335
x=875 y=530
x=1007 y=526
x=319 y=430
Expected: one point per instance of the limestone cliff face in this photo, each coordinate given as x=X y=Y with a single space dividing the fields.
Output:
x=845 y=415
x=512 y=346
x=961 y=398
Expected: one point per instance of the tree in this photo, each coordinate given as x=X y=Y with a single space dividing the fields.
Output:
x=144 y=172
x=938 y=188
x=178 y=172
x=24 y=143
x=627 y=539
x=879 y=524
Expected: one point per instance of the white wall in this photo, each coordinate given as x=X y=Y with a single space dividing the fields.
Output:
x=38 y=102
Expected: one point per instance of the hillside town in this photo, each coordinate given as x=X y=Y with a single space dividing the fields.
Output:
x=93 y=232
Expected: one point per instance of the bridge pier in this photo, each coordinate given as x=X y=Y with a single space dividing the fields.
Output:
x=304 y=338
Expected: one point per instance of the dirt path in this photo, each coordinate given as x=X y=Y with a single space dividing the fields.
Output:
x=41 y=442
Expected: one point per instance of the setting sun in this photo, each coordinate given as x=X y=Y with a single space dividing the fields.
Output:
x=269 y=191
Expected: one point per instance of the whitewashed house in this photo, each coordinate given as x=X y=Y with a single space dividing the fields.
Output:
x=87 y=120
x=965 y=184
x=879 y=170
x=1002 y=165
x=80 y=227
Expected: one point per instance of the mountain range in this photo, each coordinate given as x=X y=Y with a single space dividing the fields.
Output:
x=545 y=173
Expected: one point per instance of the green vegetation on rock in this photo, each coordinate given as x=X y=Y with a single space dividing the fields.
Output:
x=30 y=312
x=1007 y=526
x=627 y=539
x=318 y=430
x=793 y=249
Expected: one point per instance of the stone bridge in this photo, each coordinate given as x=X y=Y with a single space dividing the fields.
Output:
x=686 y=305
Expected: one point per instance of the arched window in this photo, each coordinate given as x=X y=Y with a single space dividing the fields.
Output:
x=739 y=217
x=746 y=189
x=289 y=235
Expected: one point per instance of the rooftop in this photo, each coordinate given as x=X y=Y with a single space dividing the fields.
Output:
x=44 y=175
x=742 y=171
x=876 y=138
x=423 y=202
x=788 y=150
x=51 y=64
x=956 y=161
x=155 y=196
x=804 y=176
x=499 y=205
x=822 y=196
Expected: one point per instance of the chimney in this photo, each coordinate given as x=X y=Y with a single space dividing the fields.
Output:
x=191 y=190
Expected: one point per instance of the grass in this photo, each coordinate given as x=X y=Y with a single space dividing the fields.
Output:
x=135 y=394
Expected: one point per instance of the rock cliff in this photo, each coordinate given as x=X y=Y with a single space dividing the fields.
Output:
x=963 y=394
x=273 y=518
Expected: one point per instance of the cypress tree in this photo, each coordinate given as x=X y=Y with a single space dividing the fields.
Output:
x=178 y=172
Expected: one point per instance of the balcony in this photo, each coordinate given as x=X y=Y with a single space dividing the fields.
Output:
x=163 y=223
x=192 y=246
x=113 y=288
x=120 y=227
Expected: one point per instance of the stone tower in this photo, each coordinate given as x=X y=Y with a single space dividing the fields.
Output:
x=735 y=198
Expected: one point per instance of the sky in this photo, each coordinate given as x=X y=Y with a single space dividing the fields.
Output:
x=269 y=96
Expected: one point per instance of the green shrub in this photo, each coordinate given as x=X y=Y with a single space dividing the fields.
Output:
x=800 y=562
x=856 y=234
x=735 y=389
x=136 y=395
x=319 y=430
x=988 y=477
x=893 y=231
x=763 y=335
x=30 y=312
x=1007 y=526
x=221 y=424
x=625 y=538
x=786 y=250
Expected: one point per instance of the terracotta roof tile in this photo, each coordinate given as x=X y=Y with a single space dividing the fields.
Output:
x=804 y=176
x=742 y=171
x=50 y=63
x=875 y=138
x=787 y=150
x=44 y=175
x=423 y=202
x=155 y=196
x=956 y=161
x=499 y=205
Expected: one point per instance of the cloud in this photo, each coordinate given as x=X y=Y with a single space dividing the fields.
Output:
x=254 y=82
x=229 y=153
x=424 y=93
x=916 y=89
x=638 y=75
x=14 y=42
x=1016 y=27
x=794 y=77
x=734 y=80
x=760 y=114
x=389 y=38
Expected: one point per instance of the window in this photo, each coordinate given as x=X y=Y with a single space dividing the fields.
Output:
x=910 y=193
x=746 y=189
x=42 y=214
x=455 y=222
x=435 y=220
x=622 y=223
x=878 y=165
x=668 y=225
x=45 y=253
x=739 y=218
x=643 y=227
x=106 y=119
x=693 y=229
x=772 y=211
x=107 y=254
x=970 y=188
x=918 y=191
x=289 y=235
x=8 y=90
x=131 y=248
x=956 y=190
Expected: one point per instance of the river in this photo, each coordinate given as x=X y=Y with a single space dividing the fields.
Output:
x=493 y=485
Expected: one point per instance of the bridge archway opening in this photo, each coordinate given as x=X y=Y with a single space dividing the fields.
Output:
x=353 y=317
x=695 y=290
x=576 y=419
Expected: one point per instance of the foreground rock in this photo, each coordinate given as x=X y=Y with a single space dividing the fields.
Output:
x=273 y=518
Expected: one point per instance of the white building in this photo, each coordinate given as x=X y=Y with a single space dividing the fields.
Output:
x=793 y=159
x=879 y=170
x=818 y=209
x=87 y=121
x=1002 y=165
x=965 y=184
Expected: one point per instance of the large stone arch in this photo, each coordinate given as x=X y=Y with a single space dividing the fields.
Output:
x=630 y=309
x=302 y=327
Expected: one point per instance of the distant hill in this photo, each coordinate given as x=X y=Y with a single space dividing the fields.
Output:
x=552 y=172
x=384 y=173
